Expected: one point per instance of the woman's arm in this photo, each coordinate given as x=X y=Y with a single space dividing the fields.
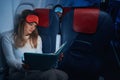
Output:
x=9 y=53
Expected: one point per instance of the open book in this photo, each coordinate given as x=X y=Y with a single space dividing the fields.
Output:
x=44 y=61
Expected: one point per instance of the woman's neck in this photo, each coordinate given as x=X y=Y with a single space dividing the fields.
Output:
x=26 y=37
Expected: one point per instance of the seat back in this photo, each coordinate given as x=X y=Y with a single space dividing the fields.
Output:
x=66 y=10
x=114 y=11
x=88 y=32
x=113 y=8
x=48 y=28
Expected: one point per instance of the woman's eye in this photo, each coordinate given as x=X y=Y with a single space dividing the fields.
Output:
x=30 y=24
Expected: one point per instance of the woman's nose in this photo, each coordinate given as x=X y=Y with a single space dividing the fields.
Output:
x=33 y=27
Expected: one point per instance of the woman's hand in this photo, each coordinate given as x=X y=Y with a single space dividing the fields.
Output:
x=25 y=66
x=61 y=57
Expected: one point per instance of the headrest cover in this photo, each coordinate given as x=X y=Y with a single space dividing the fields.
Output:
x=43 y=15
x=85 y=20
x=66 y=10
x=32 y=18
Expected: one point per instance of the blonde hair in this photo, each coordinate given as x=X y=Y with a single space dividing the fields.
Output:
x=19 y=40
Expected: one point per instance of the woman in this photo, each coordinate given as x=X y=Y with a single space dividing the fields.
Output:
x=25 y=38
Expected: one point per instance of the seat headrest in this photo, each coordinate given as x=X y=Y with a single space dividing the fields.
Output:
x=85 y=20
x=66 y=9
x=43 y=15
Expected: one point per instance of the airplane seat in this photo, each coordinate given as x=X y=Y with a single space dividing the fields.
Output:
x=117 y=25
x=88 y=32
x=113 y=8
x=115 y=45
x=47 y=28
x=66 y=9
x=114 y=11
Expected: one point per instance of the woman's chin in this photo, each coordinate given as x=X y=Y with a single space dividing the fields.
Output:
x=29 y=33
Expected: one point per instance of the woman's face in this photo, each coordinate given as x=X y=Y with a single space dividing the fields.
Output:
x=59 y=14
x=29 y=28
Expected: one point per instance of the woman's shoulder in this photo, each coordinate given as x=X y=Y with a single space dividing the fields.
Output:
x=39 y=38
x=7 y=34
